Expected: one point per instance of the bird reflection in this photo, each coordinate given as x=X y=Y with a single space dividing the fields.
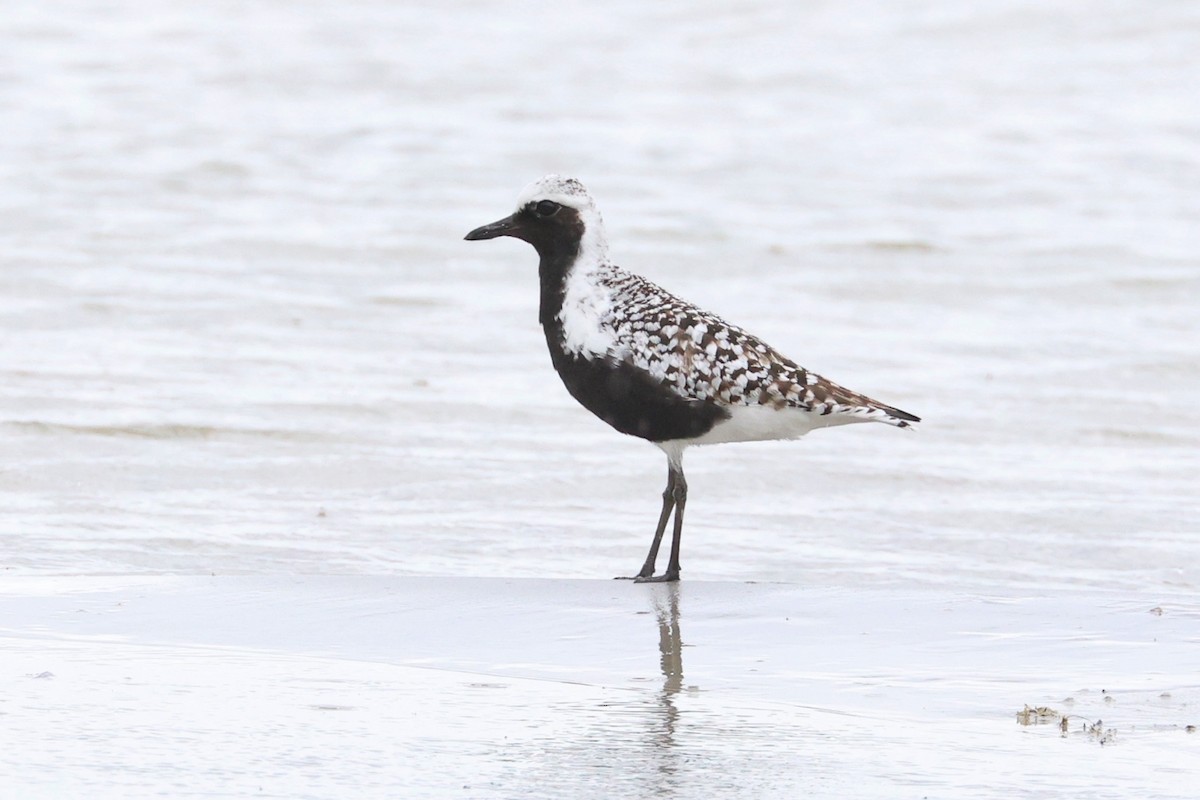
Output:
x=670 y=648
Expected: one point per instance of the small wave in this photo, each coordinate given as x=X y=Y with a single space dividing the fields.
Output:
x=409 y=302
x=160 y=431
x=909 y=245
x=1142 y=436
x=887 y=246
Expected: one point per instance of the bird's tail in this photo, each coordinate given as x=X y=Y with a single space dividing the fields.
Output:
x=836 y=400
x=894 y=416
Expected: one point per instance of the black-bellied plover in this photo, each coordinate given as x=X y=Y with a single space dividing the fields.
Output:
x=654 y=366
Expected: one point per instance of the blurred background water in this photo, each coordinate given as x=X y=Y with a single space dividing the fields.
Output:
x=240 y=333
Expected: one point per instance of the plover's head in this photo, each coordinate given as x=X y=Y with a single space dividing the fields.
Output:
x=557 y=216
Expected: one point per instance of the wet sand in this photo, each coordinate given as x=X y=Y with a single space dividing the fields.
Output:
x=472 y=687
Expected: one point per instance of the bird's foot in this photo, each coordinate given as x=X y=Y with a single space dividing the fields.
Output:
x=666 y=577
x=645 y=572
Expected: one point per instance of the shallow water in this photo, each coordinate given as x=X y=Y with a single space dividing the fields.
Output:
x=436 y=687
x=242 y=333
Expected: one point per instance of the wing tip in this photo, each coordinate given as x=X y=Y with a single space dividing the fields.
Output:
x=901 y=419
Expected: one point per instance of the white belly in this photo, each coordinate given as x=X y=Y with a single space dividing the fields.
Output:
x=763 y=423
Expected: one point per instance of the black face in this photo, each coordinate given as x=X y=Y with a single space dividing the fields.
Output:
x=552 y=228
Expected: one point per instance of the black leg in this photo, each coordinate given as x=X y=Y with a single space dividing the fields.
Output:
x=677 y=486
x=680 y=502
x=668 y=504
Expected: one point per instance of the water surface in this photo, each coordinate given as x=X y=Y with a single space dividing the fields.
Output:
x=241 y=333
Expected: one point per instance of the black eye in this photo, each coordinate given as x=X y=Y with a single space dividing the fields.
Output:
x=546 y=208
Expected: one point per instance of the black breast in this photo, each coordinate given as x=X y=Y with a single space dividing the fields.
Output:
x=630 y=400
x=625 y=397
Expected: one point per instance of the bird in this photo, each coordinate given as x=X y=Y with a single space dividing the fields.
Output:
x=654 y=366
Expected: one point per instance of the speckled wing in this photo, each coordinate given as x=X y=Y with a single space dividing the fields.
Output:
x=704 y=358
